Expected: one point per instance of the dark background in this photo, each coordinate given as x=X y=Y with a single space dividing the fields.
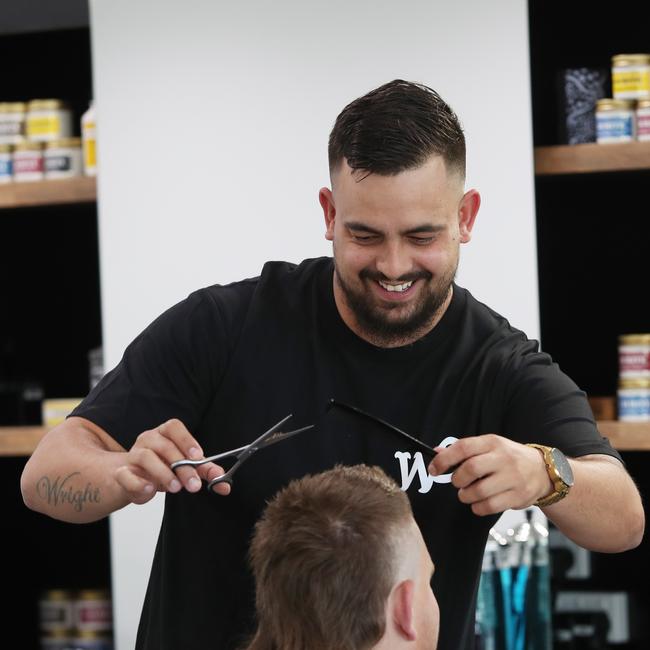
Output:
x=593 y=236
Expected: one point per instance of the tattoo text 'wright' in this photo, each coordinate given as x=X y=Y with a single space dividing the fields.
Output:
x=60 y=492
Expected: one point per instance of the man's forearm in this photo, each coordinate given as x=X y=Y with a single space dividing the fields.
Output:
x=603 y=511
x=70 y=476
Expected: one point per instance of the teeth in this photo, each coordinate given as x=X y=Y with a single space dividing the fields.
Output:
x=395 y=287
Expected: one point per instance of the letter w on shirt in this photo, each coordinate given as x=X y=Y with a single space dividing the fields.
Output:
x=419 y=467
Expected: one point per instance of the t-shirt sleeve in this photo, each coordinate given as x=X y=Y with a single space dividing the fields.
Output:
x=171 y=370
x=545 y=406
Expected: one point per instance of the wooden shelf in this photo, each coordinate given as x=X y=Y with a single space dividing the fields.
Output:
x=624 y=436
x=69 y=190
x=589 y=158
x=19 y=441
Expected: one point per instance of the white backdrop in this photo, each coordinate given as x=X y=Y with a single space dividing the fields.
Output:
x=213 y=121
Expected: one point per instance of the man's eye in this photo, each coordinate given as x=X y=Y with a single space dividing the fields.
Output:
x=364 y=239
x=421 y=241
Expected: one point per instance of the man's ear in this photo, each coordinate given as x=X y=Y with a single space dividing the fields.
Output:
x=403 y=600
x=326 y=200
x=467 y=211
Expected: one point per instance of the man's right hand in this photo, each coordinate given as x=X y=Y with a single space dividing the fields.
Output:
x=147 y=468
x=79 y=473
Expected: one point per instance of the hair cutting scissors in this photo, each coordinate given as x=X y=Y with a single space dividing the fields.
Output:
x=274 y=435
x=242 y=454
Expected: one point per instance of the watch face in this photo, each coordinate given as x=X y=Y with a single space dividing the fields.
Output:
x=563 y=467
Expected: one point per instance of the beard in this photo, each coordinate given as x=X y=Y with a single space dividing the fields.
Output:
x=382 y=323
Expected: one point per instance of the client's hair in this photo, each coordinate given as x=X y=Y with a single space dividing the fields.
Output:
x=325 y=558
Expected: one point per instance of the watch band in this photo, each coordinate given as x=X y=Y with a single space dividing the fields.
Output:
x=560 y=488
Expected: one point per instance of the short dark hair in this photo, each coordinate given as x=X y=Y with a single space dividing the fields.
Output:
x=396 y=127
x=325 y=558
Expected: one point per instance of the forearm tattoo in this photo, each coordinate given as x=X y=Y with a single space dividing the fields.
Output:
x=61 y=492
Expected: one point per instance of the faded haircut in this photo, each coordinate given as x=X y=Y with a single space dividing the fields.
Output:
x=394 y=128
x=325 y=556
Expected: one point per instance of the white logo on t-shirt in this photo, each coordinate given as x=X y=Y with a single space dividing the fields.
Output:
x=418 y=467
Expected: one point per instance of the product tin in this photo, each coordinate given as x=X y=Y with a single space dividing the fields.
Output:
x=12 y=122
x=615 y=120
x=634 y=400
x=89 y=640
x=48 y=119
x=55 y=610
x=643 y=120
x=634 y=356
x=89 y=140
x=631 y=76
x=27 y=161
x=92 y=611
x=6 y=164
x=62 y=158
x=57 y=640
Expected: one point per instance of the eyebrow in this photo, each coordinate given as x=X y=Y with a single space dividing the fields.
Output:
x=424 y=228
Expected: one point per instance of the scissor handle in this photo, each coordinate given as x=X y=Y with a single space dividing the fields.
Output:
x=224 y=478
x=227 y=476
x=186 y=462
x=270 y=437
x=246 y=452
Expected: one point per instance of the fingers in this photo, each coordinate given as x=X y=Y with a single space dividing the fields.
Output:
x=139 y=489
x=154 y=453
x=494 y=473
x=148 y=467
x=220 y=488
x=475 y=468
x=176 y=432
x=142 y=489
x=174 y=442
x=496 y=504
x=459 y=452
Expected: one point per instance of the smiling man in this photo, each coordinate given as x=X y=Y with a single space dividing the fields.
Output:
x=382 y=327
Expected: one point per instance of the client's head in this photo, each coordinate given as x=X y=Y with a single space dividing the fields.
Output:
x=340 y=564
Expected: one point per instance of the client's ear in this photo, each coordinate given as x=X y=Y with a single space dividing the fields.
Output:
x=402 y=606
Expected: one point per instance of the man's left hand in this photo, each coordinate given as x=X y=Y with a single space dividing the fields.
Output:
x=494 y=473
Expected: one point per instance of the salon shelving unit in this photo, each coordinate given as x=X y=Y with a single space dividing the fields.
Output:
x=593 y=227
x=50 y=314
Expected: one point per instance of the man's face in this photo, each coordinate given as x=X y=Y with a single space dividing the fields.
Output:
x=396 y=247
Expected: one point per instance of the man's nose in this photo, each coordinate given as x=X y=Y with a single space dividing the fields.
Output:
x=393 y=261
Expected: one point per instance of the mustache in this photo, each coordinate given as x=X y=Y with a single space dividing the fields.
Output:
x=368 y=274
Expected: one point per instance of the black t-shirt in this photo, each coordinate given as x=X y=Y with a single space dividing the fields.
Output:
x=230 y=361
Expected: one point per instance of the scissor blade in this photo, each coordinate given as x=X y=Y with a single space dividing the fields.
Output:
x=240 y=452
x=186 y=462
x=279 y=436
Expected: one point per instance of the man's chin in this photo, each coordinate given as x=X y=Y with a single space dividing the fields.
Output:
x=397 y=327
x=400 y=321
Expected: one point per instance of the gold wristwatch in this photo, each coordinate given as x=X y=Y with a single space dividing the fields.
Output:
x=559 y=471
